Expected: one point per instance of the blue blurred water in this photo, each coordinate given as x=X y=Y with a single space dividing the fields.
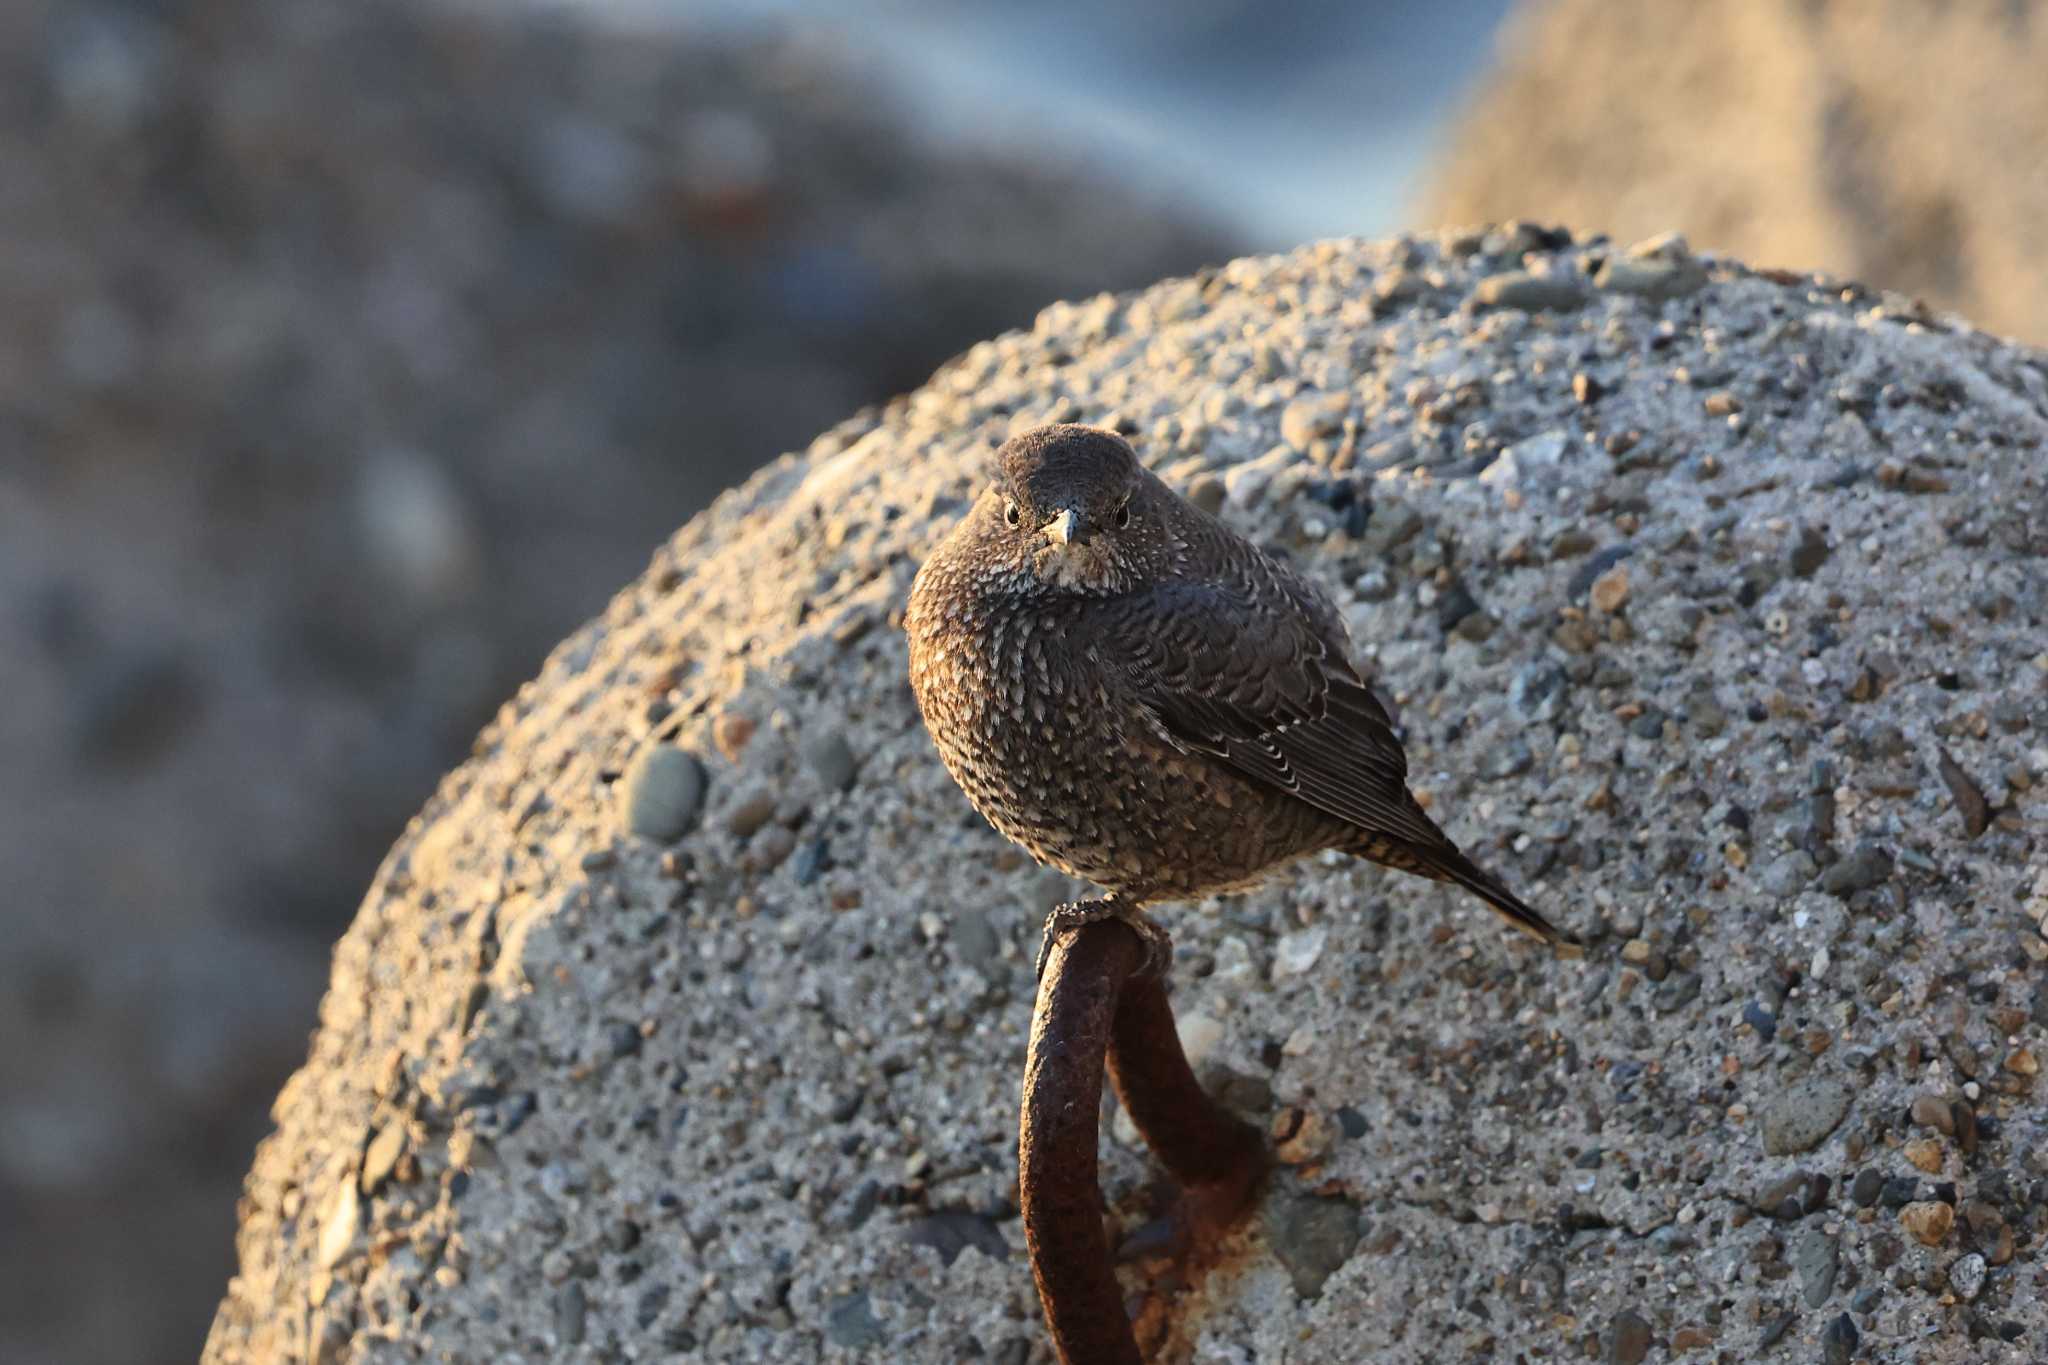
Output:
x=1291 y=119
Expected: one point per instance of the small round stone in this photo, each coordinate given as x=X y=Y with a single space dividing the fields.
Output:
x=831 y=758
x=1928 y=1220
x=1967 y=1276
x=1800 y=1116
x=662 y=793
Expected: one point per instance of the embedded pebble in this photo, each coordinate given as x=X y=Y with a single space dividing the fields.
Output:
x=1298 y=951
x=1199 y=1035
x=1928 y=1220
x=1838 y=1341
x=1610 y=590
x=381 y=1157
x=1628 y=1339
x=1866 y=867
x=851 y=1325
x=1967 y=1276
x=731 y=732
x=1809 y=550
x=1789 y=873
x=1530 y=292
x=1311 y=416
x=831 y=758
x=1799 y=1117
x=748 y=814
x=571 y=1312
x=661 y=793
x=1246 y=485
x=1312 y=1238
x=1815 y=1256
x=1651 y=279
x=338 y=1228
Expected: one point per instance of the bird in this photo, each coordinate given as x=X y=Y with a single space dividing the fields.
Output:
x=1145 y=700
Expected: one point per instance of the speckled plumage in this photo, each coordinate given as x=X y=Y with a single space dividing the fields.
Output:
x=1146 y=700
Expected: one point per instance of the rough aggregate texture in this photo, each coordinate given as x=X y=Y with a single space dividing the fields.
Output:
x=350 y=355
x=716 y=1098
x=1900 y=142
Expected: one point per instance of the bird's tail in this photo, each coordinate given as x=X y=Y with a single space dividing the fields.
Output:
x=1445 y=863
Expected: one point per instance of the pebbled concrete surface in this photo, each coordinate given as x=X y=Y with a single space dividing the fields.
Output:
x=1689 y=583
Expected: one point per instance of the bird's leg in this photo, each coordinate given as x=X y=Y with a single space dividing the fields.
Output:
x=1152 y=936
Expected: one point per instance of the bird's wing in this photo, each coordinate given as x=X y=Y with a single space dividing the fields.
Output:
x=1253 y=676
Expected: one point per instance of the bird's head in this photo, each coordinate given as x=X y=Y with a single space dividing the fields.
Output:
x=1072 y=510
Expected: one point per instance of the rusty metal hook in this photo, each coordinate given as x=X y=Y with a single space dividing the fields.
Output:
x=1092 y=1011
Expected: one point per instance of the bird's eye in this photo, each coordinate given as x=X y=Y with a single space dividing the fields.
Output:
x=1011 y=514
x=1123 y=514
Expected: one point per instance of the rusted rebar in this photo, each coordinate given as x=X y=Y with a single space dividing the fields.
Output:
x=1090 y=1012
x=1215 y=1157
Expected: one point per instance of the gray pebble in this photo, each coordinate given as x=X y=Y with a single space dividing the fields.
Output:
x=1816 y=1257
x=1868 y=866
x=662 y=793
x=770 y=848
x=1530 y=292
x=859 y=1205
x=1392 y=525
x=831 y=758
x=973 y=937
x=953 y=1231
x=1918 y=861
x=1509 y=760
x=621 y=1039
x=811 y=861
x=1456 y=604
x=1313 y=1238
x=1676 y=991
x=1313 y=415
x=1789 y=873
x=1809 y=550
x=570 y=1311
x=850 y=1323
x=1799 y=1117
x=1538 y=690
x=1650 y=278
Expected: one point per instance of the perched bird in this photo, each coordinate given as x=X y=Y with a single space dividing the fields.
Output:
x=1145 y=700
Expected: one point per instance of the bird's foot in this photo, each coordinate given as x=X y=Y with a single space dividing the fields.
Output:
x=1152 y=936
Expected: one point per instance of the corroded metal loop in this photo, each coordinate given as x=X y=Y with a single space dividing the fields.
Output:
x=1095 y=1009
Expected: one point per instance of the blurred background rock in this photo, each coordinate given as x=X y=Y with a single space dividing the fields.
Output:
x=1892 y=141
x=351 y=354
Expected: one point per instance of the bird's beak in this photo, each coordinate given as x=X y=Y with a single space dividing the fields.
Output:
x=1062 y=528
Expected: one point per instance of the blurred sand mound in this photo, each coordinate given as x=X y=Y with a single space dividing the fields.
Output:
x=1898 y=142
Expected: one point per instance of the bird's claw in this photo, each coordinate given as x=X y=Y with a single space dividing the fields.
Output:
x=1153 y=939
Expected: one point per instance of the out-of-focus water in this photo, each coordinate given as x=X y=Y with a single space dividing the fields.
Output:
x=1293 y=119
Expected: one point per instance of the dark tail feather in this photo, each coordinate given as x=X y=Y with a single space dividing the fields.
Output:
x=1447 y=864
